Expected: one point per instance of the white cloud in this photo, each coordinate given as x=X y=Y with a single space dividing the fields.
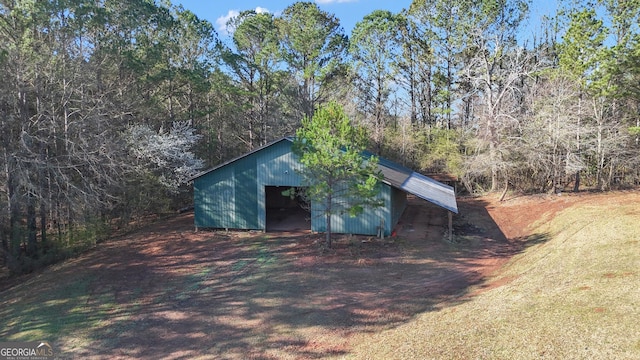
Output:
x=221 y=22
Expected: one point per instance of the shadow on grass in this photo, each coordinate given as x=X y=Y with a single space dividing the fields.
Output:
x=173 y=293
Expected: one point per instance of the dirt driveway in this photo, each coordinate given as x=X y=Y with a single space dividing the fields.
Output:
x=169 y=292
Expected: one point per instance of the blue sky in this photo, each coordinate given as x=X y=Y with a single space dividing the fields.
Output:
x=348 y=11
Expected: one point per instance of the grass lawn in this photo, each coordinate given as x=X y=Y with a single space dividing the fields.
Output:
x=576 y=296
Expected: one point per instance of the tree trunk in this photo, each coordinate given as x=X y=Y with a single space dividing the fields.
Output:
x=5 y=229
x=576 y=185
x=43 y=223
x=610 y=181
x=450 y=223
x=43 y=185
x=13 y=205
x=599 y=157
x=328 y=229
x=493 y=155
x=504 y=192
x=32 y=231
x=429 y=97
x=328 y=210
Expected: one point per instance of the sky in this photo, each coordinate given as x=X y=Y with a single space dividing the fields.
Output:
x=348 y=11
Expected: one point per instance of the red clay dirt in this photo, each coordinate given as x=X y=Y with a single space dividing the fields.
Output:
x=177 y=293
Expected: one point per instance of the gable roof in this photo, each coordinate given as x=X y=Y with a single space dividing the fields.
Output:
x=394 y=174
x=288 y=138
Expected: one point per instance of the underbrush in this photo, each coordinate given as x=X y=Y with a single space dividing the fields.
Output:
x=57 y=247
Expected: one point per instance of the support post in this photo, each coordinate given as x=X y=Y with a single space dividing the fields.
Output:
x=450 y=226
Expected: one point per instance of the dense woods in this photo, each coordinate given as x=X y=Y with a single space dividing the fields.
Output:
x=108 y=107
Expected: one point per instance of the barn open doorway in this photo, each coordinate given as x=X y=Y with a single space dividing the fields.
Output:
x=285 y=213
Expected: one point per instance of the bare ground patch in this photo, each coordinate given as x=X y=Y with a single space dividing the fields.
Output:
x=170 y=292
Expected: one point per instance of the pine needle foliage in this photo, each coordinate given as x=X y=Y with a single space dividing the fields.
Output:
x=338 y=178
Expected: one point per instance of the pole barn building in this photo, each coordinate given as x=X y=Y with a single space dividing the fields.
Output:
x=246 y=193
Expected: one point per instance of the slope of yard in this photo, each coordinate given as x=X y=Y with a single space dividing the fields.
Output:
x=576 y=296
x=569 y=289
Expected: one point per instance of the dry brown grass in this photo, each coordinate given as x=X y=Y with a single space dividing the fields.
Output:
x=576 y=296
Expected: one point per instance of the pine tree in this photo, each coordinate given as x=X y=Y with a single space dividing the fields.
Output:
x=339 y=180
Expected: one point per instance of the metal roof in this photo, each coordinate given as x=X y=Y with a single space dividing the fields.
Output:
x=395 y=175
x=417 y=184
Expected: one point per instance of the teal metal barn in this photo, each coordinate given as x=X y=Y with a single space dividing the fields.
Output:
x=246 y=192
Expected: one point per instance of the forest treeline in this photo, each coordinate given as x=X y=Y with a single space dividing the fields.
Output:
x=108 y=107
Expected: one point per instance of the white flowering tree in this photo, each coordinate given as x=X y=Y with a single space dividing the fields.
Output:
x=166 y=154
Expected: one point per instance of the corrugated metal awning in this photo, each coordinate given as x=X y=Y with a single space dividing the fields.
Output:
x=431 y=190
x=417 y=184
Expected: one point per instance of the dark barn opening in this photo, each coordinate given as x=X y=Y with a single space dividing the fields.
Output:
x=285 y=213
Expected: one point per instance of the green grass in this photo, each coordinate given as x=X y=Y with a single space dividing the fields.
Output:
x=576 y=296
x=73 y=310
x=62 y=310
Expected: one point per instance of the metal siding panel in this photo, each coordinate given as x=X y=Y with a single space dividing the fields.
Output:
x=246 y=194
x=213 y=200
x=226 y=203
x=366 y=223
x=373 y=218
x=317 y=219
x=226 y=198
x=199 y=207
x=278 y=166
x=343 y=224
x=398 y=204
x=262 y=207
x=256 y=150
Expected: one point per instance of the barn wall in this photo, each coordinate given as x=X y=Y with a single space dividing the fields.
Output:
x=246 y=184
x=227 y=197
x=366 y=223
x=214 y=199
x=276 y=167
x=233 y=196
x=398 y=205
